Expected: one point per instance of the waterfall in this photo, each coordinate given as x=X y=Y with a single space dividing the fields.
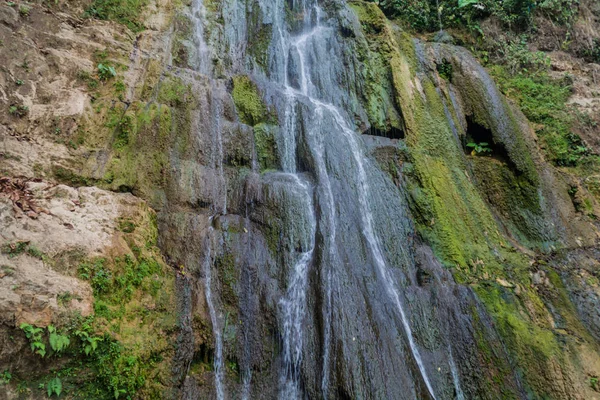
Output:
x=218 y=361
x=294 y=306
x=455 y=377
x=203 y=51
x=328 y=195
x=301 y=44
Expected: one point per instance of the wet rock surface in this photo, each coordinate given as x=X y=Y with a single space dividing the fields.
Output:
x=329 y=233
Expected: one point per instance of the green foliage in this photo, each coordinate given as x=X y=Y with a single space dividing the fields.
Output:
x=34 y=334
x=126 y=225
x=64 y=298
x=428 y=15
x=479 y=148
x=24 y=10
x=99 y=276
x=543 y=101
x=88 y=79
x=445 y=69
x=5 y=377
x=19 y=82
x=89 y=343
x=118 y=286
x=14 y=249
x=54 y=386
x=517 y=58
x=126 y=12
x=34 y=252
x=18 y=110
x=105 y=72
x=58 y=342
x=594 y=383
x=17 y=248
x=122 y=374
x=592 y=53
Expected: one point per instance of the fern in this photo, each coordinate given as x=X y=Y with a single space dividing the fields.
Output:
x=58 y=342
x=54 y=387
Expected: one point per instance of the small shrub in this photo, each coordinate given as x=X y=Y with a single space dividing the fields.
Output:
x=105 y=72
x=15 y=249
x=19 y=82
x=89 y=344
x=594 y=383
x=34 y=334
x=5 y=377
x=34 y=252
x=126 y=12
x=58 y=342
x=479 y=148
x=64 y=298
x=87 y=78
x=445 y=69
x=24 y=10
x=18 y=110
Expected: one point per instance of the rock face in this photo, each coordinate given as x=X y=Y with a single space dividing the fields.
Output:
x=309 y=261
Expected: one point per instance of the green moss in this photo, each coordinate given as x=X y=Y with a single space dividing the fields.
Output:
x=515 y=200
x=375 y=69
x=125 y=349
x=228 y=275
x=248 y=101
x=266 y=149
x=544 y=101
x=259 y=37
x=173 y=92
x=71 y=178
x=144 y=135
x=454 y=217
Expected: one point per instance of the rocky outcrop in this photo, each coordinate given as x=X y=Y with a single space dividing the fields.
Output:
x=297 y=258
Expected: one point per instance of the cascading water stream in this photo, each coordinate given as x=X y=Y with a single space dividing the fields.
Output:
x=219 y=188
x=218 y=361
x=320 y=108
x=293 y=306
x=199 y=16
x=455 y=376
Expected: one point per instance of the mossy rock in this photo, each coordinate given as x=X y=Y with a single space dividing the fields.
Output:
x=266 y=147
x=248 y=101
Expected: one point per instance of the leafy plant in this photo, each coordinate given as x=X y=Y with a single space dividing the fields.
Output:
x=445 y=69
x=126 y=12
x=543 y=100
x=99 y=277
x=58 y=342
x=19 y=82
x=594 y=383
x=105 y=72
x=89 y=343
x=479 y=148
x=18 y=110
x=54 y=386
x=24 y=10
x=5 y=378
x=34 y=334
x=14 y=249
